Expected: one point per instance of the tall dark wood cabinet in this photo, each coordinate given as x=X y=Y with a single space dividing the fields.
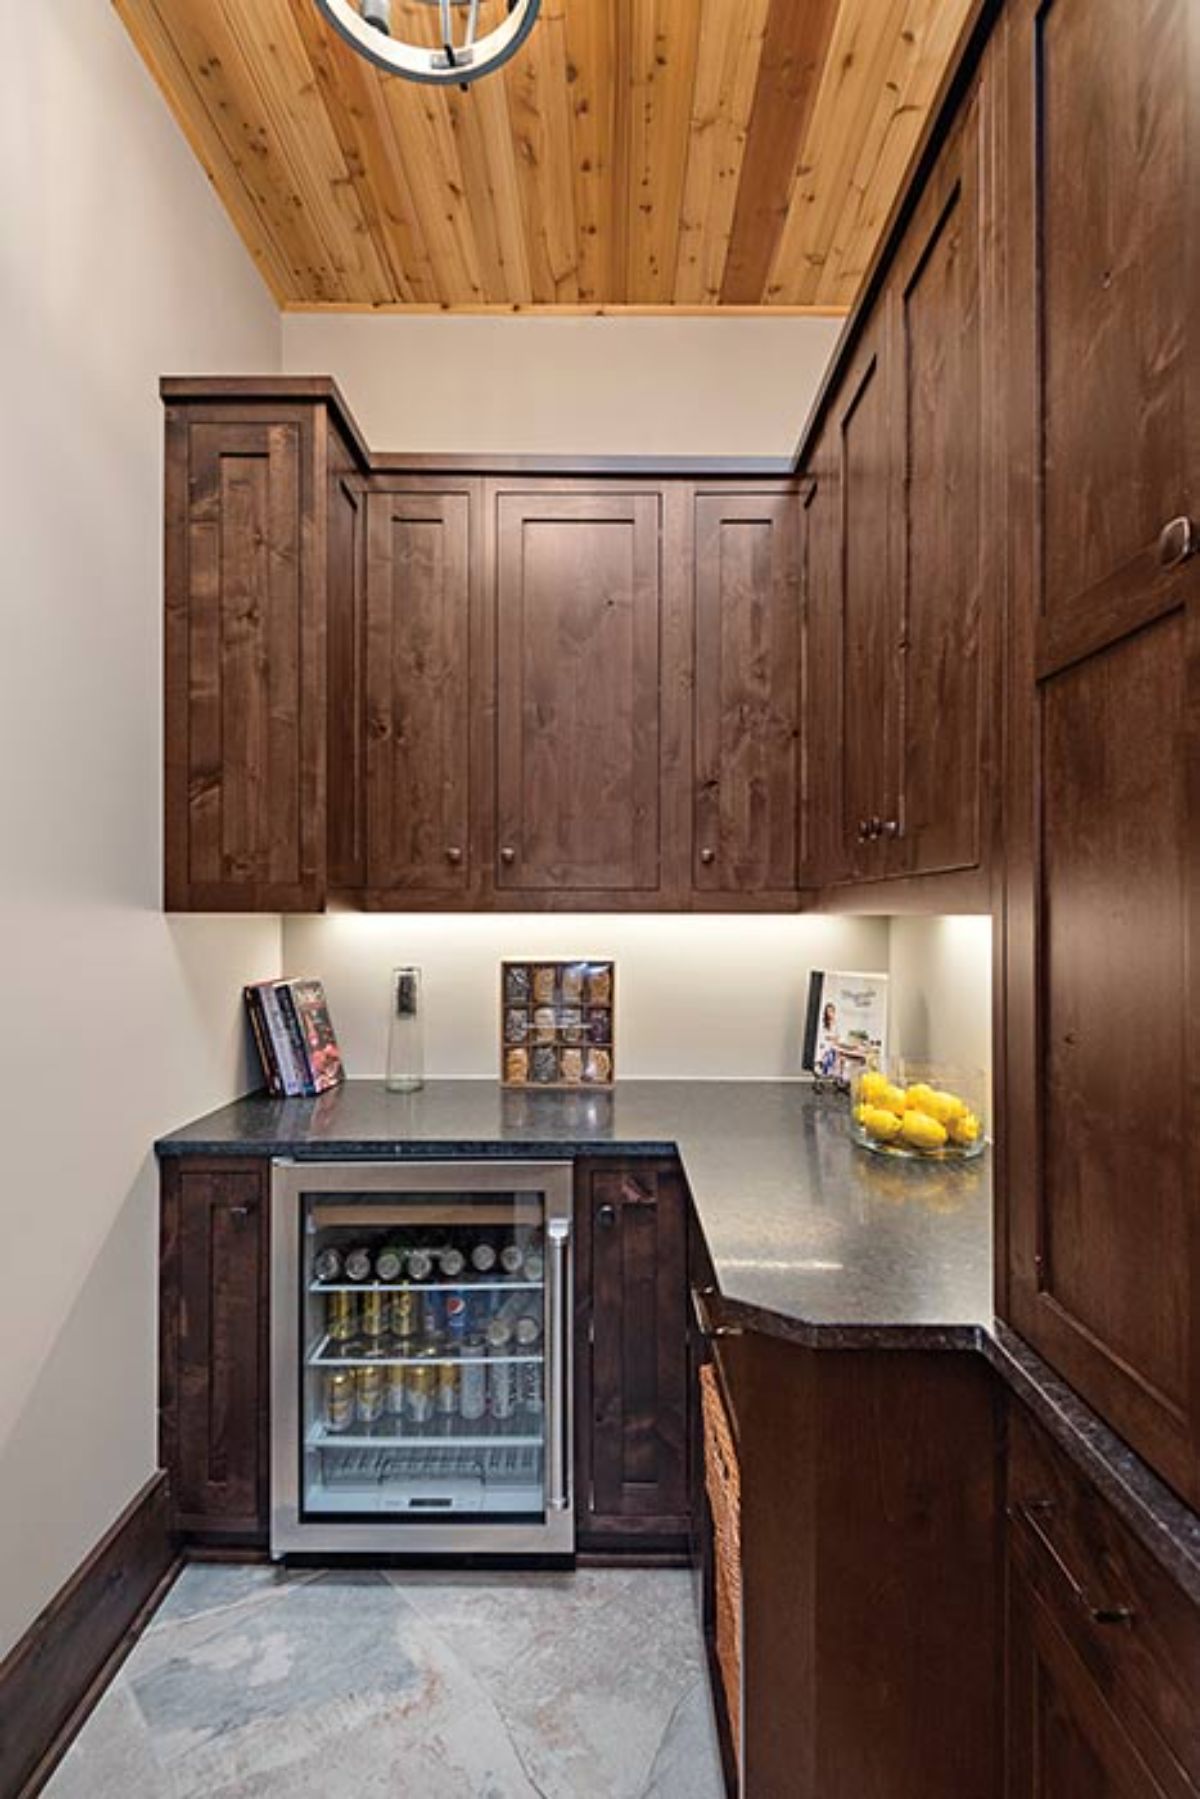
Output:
x=633 y=1401
x=255 y=513
x=214 y=1348
x=1102 y=992
x=424 y=685
x=746 y=748
x=580 y=622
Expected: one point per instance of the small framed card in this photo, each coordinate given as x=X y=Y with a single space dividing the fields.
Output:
x=557 y=1024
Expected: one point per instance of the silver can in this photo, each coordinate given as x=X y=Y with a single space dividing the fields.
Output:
x=448 y=1395
x=502 y=1372
x=368 y=1394
x=473 y=1379
x=421 y=1386
x=339 y=1400
x=397 y=1391
x=531 y=1387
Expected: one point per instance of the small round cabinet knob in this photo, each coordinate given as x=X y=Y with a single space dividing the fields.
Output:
x=1178 y=541
x=890 y=827
x=454 y=855
x=508 y=855
x=708 y=856
x=607 y=1217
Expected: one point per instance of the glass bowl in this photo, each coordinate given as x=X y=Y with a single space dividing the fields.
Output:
x=920 y=1111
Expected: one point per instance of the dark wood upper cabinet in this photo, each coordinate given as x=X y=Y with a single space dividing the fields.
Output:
x=948 y=591
x=579 y=622
x=249 y=535
x=421 y=684
x=1103 y=790
x=631 y=1292
x=747 y=687
x=868 y=798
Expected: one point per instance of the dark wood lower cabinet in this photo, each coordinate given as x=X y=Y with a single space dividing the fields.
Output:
x=214 y=1356
x=632 y=1396
x=870 y=1570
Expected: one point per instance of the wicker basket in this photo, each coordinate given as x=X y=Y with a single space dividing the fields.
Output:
x=723 y=1482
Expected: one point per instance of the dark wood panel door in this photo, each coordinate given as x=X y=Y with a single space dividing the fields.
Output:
x=869 y=798
x=420 y=686
x=944 y=636
x=1103 y=801
x=214 y=1369
x=747 y=707
x=345 y=638
x=632 y=1319
x=1064 y=1742
x=245 y=687
x=579 y=628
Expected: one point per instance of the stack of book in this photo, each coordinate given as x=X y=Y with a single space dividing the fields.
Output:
x=295 y=1037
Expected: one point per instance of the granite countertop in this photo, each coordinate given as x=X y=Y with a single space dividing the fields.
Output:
x=810 y=1236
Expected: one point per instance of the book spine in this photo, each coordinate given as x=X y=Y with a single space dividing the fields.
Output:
x=285 y=1055
x=291 y=1020
x=262 y=1041
x=816 y=985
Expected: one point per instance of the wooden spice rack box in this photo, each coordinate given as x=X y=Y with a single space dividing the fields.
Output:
x=557 y=1024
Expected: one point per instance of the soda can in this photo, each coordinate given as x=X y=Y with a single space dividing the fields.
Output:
x=420 y=1264
x=341 y=1316
x=397 y=1391
x=527 y=1330
x=531 y=1387
x=433 y=1314
x=406 y=1313
x=535 y=1265
x=374 y=1317
x=502 y=1373
x=473 y=1379
x=447 y=1395
x=456 y=1317
x=368 y=1394
x=389 y=1264
x=421 y=1385
x=483 y=1258
x=481 y=1309
x=512 y=1258
x=357 y=1266
x=451 y=1263
x=327 y=1264
x=339 y=1400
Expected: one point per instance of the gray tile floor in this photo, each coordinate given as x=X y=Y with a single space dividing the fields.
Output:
x=261 y=1682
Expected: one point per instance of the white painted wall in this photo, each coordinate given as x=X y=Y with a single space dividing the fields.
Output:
x=699 y=997
x=116 y=265
x=566 y=386
x=942 y=990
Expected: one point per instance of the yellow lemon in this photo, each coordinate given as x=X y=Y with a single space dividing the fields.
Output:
x=890 y=1097
x=935 y=1104
x=922 y=1131
x=964 y=1129
x=919 y=1098
x=872 y=1086
x=879 y=1123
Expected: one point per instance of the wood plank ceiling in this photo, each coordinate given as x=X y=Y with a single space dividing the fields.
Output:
x=636 y=153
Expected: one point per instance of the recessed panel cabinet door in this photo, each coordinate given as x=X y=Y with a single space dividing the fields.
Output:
x=213 y=1352
x=938 y=323
x=245 y=689
x=868 y=801
x=419 y=699
x=1103 y=954
x=747 y=709
x=632 y=1319
x=579 y=623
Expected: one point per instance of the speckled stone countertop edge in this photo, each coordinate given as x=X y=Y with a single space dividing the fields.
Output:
x=429 y=1149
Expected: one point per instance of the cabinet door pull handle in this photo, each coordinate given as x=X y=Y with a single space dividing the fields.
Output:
x=454 y=855
x=708 y=856
x=508 y=855
x=239 y=1211
x=864 y=830
x=1177 y=542
x=1031 y=1513
x=874 y=828
x=890 y=827
x=606 y=1217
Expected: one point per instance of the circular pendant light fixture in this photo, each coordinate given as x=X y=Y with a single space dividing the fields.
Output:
x=461 y=56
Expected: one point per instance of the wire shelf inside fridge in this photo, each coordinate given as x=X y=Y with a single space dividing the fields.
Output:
x=327 y=1354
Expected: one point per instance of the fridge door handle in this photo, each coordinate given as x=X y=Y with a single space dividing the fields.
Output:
x=558 y=1411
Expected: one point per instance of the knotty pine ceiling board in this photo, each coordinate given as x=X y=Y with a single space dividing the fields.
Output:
x=647 y=154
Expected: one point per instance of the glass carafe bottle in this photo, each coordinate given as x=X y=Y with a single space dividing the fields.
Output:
x=406 y=1033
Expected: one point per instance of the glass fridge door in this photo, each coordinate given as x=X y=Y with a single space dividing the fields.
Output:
x=430 y=1338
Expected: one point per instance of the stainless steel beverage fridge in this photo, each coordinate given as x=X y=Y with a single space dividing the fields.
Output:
x=421 y=1358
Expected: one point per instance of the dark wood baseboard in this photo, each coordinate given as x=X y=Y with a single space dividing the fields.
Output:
x=51 y=1679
